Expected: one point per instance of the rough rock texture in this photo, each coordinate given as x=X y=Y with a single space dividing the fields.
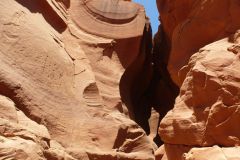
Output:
x=60 y=82
x=84 y=80
x=204 y=63
x=190 y=25
x=207 y=108
x=20 y=137
x=182 y=152
x=213 y=153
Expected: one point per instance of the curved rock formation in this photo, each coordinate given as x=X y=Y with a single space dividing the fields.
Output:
x=64 y=75
x=111 y=19
x=76 y=74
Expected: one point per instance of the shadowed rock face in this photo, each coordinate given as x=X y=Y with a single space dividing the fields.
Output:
x=60 y=78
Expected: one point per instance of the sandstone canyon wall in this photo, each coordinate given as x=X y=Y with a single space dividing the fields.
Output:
x=85 y=80
x=204 y=62
x=62 y=63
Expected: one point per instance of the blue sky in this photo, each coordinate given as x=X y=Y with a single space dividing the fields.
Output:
x=152 y=12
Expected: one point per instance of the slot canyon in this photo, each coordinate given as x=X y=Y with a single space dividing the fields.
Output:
x=89 y=80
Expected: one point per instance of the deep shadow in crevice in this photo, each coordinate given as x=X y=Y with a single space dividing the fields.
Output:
x=136 y=80
x=147 y=84
x=65 y=2
x=164 y=90
x=42 y=7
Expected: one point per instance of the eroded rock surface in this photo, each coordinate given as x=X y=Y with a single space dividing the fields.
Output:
x=204 y=63
x=60 y=77
x=190 y=25
x=114 y=19
x=76 y=73
x=213 y=153
x=205 y=113
x=207 y=107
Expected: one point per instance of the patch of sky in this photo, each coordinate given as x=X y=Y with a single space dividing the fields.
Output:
x=151 y=11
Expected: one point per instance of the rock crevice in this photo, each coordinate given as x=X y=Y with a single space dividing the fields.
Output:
x=86 y=80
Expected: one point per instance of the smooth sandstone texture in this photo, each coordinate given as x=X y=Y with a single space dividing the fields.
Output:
x=109 y=18
x=73 y=72
x=65 y=80
x=159 y=153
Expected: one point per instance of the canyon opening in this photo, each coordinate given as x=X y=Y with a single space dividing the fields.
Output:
x=113 y=80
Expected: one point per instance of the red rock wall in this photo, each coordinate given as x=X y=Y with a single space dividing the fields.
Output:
x=80 y=80
x=203 y=62
x=190 y=25
x=60 y=78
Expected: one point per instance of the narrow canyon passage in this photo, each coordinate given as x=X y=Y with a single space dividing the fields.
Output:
x=98 y=80
x=152 y=87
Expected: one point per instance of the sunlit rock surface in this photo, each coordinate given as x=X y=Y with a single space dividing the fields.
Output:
x=61 y=67
x=207 y=107
x=86 y=80
x=203 y=61
x=190 y=25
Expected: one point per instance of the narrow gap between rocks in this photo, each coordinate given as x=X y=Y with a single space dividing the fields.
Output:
x=147 y=84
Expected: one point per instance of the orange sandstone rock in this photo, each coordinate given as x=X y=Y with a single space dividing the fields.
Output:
x=191 y=25
x=65 y=78
x=206 y=111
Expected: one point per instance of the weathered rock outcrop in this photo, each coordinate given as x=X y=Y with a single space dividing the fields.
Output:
x=80 y=80
x=207 y=107
x=61 y=67
x=204 y=63
x=206 y=110
x=213 y=153
x=190 y=25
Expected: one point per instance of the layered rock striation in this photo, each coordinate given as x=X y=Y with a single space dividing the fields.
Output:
x=85 y=80
x=62 y=63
